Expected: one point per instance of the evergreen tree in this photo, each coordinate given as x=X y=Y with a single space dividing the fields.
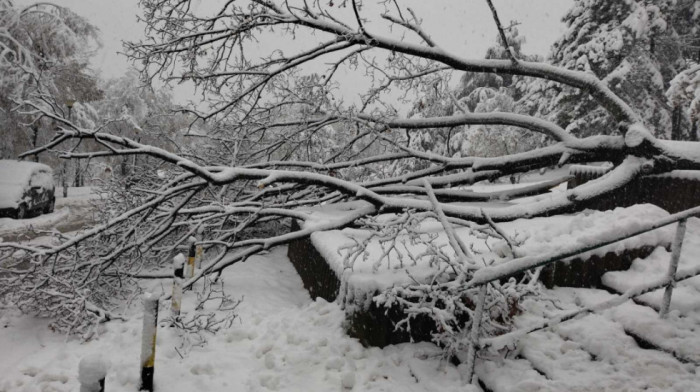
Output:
x=632 y=46
x=482 y=93
x=478 y=93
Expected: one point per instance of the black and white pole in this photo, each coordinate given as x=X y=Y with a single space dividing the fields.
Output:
x=178 y=275
x=191 y=258
x=92 y=371
x=148 y=341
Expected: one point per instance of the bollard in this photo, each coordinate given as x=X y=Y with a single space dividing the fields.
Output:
x=191 y=258
x=198 y=256
x=199 y=253
x=92 y=371
x=178 y=275
x=148 y=341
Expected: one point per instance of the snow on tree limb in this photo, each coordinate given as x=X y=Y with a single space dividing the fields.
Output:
x=279 y=139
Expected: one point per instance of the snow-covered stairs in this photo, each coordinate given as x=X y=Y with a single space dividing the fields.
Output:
x=686 y=295
x=596 y=352
x=678 y=334
x=626 y=348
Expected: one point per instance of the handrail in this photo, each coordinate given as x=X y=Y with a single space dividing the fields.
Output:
x=521 y=264
x=483 y=277
x=500 y=341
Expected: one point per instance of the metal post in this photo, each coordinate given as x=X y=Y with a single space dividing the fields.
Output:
x=474 y=333
x=148 y=341
x=673 y=267
x=178 y=275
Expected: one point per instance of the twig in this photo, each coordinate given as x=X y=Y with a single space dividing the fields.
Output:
x=509 y=50
x=500 y=232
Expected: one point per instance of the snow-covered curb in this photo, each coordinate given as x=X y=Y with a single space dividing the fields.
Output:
x=41 y=222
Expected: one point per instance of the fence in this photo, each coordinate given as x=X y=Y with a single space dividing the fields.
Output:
x=483 y=277
x=674 y=191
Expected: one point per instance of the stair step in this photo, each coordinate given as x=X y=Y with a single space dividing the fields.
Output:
x=686 y=296
x=511 y=375
x=678 y=334
x=594 y=353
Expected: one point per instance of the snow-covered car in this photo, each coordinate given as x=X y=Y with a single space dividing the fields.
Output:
x=26 y=188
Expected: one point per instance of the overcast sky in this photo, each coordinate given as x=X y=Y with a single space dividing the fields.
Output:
x=465 y=26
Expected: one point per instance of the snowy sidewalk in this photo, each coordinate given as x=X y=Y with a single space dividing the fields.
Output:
x=283 y=341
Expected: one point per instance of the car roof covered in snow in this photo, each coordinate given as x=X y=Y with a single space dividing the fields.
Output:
x=19 y=172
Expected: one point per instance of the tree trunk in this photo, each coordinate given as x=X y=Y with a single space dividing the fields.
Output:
x=35 y=137
x=76 y=177
x=64 y=179
x=676 y=116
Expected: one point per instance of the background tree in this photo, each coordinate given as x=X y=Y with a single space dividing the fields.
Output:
x=45 y=49
x=475 y=93
x=636 y=49
x=484 y=92
x=139 y=112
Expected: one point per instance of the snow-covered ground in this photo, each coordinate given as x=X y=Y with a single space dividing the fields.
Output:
x=282 y=341
x=75 y=194
x=11 y=226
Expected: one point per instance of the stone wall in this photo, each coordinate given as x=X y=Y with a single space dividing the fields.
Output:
x=373 y=326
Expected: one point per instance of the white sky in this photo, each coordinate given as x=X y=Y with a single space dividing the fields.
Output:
x=465 y=26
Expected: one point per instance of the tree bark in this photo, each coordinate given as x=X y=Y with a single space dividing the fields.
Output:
x=676 y=116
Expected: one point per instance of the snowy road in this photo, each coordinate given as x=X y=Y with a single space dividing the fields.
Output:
x=71 y=214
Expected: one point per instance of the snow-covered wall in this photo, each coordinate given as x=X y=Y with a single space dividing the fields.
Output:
x=376 y=269
x=328 y=271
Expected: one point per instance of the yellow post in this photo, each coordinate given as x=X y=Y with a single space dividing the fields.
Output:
x=191 y=258
x=148 y=341
x=199 y=254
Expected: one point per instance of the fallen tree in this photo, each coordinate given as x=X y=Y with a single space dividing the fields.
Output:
x=281 y=138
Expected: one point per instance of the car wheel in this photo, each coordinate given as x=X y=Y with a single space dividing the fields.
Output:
x=21 y=211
